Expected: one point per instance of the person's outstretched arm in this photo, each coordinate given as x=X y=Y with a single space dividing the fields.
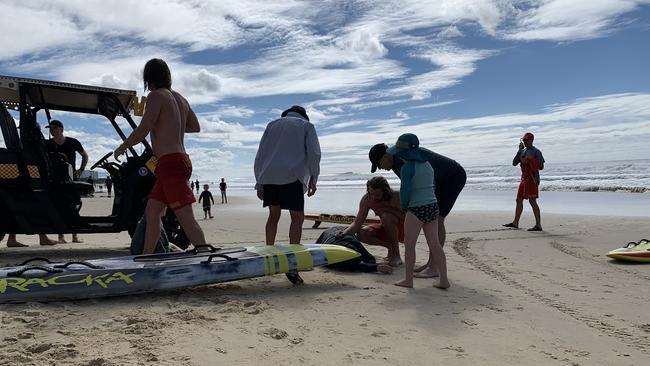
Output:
x=361 y=217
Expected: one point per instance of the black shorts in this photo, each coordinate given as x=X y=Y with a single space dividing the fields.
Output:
x=206 y=208
x=287 y=196
x=447 y=193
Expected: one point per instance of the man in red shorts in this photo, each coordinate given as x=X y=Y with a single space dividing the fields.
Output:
x=384 y=201
x=531 y=162
x=168 y=116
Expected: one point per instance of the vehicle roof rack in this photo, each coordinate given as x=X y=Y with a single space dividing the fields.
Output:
x=58 y=95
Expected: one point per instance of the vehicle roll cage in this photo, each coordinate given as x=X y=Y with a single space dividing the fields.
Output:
x=29 y=96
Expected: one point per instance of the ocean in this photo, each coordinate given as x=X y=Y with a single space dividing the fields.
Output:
x=611 y=188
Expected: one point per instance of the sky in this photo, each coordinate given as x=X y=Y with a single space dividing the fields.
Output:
x=468 y=77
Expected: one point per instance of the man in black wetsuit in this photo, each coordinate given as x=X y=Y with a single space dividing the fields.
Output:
x=365 y=263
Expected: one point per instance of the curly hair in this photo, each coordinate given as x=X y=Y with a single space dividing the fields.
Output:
x=380 y=183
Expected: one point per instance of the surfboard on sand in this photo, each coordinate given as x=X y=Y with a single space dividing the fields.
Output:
x=39 y=279
x=336 y=219
x=634 y=251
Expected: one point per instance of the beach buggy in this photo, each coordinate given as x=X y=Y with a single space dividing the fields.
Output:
x=38 y=194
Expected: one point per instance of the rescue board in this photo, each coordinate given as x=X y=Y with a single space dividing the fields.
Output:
x=633 y=251
x=336 y=219
x=39 y=279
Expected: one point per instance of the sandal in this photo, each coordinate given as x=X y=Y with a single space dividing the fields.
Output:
x=535 y=228
x=510 y=225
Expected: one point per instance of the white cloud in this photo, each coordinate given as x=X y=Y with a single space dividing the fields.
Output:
x=402 y=115
x=234 y=111
x=435 y=104
x=582 y=130
x=567 y=20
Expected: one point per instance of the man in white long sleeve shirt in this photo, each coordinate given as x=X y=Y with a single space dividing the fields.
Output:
x=287 y=165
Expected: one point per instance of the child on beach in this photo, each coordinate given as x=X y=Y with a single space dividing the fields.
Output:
x=419 y=201
x=206 y=197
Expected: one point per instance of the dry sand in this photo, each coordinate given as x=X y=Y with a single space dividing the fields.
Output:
x=517 y=298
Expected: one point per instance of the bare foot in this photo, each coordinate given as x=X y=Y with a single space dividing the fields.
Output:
x=426 y=274
x=15 y=244
x=404 y=283
x=395 y=262
x=384 y=268
x=442 y=285
x=48 y=242
x=61 y=241
x=77 y=241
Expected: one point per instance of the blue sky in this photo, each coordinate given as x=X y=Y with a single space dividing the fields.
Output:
x=468 y=77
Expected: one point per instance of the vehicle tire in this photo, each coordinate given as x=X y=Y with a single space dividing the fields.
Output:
x=175 y=233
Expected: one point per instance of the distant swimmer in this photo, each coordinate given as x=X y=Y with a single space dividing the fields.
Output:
x=531 y=161
x=208 y=201
x=222 y=188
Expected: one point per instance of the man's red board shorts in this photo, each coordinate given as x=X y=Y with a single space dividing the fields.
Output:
x=528 y=189
x=381 y=233
x=172 y=173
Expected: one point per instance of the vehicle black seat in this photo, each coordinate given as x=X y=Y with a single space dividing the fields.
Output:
x=62 y=173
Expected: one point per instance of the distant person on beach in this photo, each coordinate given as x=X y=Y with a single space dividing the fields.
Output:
x=417 y=198
x=43 y=240
x=287 y=165
x=91 y=181
x=531 y=161
x=222 y=188
x=69 y=147
x=364 y=263
x=167 y=116
x=384 y=202
x=109 y=185
x=449 y=178
x=206 y=197
x=192 y=186
x=196 y=185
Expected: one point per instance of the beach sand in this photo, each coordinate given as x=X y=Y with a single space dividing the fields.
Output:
x=517 y=298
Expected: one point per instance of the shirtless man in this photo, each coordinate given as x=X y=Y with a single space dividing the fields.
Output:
x=384 y=201
x=168 y=117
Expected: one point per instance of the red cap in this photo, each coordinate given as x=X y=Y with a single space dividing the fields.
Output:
x=528 y=136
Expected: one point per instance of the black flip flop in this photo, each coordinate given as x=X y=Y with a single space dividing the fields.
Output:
x=510 y=225
x=535 y=228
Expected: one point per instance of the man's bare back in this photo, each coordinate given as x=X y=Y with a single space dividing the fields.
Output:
x=174 y=117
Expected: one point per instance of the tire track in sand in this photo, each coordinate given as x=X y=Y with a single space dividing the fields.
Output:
x=575 y=254
x=625 y=335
